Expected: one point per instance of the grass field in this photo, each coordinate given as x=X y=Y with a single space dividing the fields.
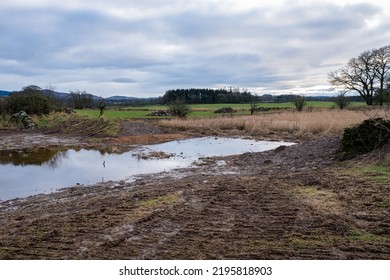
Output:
x=199 y=110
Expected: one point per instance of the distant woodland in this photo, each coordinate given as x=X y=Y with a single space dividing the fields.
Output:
x=208 y=96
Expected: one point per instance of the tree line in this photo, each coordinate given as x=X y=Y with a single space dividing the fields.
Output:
x=208 y=96
x=368 y=74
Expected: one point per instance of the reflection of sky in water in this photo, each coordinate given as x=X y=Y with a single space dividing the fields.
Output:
x=210 y=146
x=86 y=166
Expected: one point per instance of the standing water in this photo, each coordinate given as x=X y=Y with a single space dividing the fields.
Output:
x=29 y=172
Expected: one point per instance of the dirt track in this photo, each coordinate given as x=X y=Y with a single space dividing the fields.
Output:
x=294 y=202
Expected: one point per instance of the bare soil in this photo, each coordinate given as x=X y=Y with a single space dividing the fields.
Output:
x=296 y=202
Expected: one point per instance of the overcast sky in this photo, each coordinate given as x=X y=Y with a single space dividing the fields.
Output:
x=143 y=48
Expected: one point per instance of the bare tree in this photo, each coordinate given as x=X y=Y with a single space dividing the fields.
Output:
x=382 y=68
x=102 y=106
x=358 y=75
x=366 y=74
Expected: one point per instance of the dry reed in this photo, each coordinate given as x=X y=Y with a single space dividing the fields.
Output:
x=318 y=122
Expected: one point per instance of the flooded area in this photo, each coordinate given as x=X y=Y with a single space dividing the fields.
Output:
x=42 y=170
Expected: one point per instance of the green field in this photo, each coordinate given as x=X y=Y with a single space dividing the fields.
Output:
x=197 y=110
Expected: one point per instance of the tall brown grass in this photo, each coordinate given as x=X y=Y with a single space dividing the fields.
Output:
x=308 y=123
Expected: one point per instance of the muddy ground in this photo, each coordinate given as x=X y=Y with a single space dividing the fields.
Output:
x=296 y=202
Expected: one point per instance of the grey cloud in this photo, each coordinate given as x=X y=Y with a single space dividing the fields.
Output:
x=124 y=80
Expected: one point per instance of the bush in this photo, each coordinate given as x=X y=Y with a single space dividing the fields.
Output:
x=299 y=102
x=3 y=106
x=365 y=137
x=178 y=108
x=341 y=101
x=33 y=103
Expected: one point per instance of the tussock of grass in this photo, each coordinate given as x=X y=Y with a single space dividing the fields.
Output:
x=318 y=122
x=6 y=123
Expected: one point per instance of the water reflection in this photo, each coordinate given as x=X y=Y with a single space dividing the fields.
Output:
x=38 y=156
x=42 y=170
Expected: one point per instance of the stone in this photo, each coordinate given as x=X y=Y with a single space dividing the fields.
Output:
x=225 y=110
x=23 y=120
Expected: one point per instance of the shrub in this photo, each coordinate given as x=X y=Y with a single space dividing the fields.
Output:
x=3 y=106
x=32 y=102
x=299 y=102
x=178 y=108
x=365 y=137
x=341 y=101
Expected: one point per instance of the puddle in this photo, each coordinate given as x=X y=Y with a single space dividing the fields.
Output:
x=28 y=172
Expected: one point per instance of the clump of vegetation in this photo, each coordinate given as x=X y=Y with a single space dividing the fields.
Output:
x=299 y=102
x=3 y=106
x=341 y=101
x=30 y=100
x=179 y=108
x=77 y=124
x=365 y=137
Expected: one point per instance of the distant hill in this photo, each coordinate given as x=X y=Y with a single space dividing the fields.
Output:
x=120 y=98
x=112 y=100
x=4 y=93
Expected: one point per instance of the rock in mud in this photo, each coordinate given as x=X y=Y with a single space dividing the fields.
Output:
x=23 y=120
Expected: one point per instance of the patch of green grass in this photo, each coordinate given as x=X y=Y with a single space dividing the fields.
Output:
x=379 y=173
x=358 y=235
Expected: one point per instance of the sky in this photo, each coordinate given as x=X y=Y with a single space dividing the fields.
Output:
x=144 y=48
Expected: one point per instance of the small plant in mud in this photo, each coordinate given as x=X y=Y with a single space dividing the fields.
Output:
x=365 y=137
